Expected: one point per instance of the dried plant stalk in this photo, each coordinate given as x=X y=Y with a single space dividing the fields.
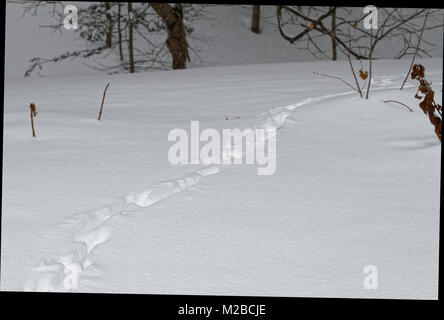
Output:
x=416 y=50
x=428 y=105
x=103 y=101
x=33 y=114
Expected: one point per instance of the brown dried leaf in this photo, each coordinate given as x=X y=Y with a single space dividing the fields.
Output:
x=417 y=71
x=363 y=74
x=428 y=105
x=33 y=110
x=423 y=106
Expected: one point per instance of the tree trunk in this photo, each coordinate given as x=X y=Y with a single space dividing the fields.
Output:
x=255 y=18
x=109 y=19
x=334 y=55
x=176 y=41
x=130 y=38
x=119 y=30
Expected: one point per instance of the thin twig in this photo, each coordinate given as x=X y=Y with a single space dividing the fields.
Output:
x=354 y=76
x=103 y=100
x=370 y=63
x=328 y=76
x=416 y=50
x=399 y=103
x=351 y=66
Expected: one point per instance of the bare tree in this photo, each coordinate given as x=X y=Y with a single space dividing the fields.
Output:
x=176 y=41
x=334 y=54
x=130 y=38
x=119 y=29
x=256 y=18
x=395 y=23
x=109 y=33
x=137 y=39
x=306 y=28
x=309 y=20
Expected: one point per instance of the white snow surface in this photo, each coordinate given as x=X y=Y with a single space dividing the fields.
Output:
x=357 y=183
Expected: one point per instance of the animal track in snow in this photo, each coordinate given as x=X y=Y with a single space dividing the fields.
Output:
x=166 y=189
x=89 y=231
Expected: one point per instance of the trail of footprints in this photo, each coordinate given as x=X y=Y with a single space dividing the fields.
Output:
x=89 y=229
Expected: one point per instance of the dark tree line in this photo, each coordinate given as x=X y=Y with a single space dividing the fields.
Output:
x=155 y=35
x=133 y=29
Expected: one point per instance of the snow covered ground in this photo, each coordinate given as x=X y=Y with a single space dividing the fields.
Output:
x=357 y=183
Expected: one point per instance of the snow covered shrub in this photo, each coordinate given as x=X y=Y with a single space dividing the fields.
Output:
x=428 y=105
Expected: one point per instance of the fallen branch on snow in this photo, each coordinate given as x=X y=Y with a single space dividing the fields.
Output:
x=386 y=101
